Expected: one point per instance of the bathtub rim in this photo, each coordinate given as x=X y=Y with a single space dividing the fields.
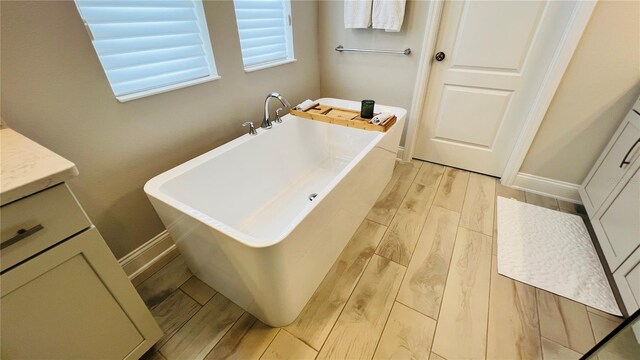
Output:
x=153 y=187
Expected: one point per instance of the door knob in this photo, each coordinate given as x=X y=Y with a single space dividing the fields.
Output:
x=440 y=56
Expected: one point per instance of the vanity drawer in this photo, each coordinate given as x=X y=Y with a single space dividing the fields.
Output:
x=611 y=170
x=34 y=223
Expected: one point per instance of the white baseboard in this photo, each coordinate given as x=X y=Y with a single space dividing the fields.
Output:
x=400 y=154
x=142 y=258
x=548 y=187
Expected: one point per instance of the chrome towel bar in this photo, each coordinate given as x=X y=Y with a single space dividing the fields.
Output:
x=406 y=51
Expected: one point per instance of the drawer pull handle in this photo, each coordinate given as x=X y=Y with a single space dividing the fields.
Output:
x=624 y=161
x=22 y=233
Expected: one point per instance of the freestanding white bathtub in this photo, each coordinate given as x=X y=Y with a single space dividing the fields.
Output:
x=241 y=216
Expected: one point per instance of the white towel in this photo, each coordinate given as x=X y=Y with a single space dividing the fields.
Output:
x=388 y=14
x=306 y=105
x=357 y=14
x=380 y=118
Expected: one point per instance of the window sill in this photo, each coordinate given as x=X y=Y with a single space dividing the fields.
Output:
x=138 y=95
x=268 y=65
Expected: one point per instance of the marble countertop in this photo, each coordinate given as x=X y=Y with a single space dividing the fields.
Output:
x=27 y=167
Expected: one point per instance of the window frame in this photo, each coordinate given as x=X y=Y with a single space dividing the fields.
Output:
x=288 y=30
x=207 y=48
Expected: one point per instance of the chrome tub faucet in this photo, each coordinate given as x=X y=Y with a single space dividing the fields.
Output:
x=266 y=123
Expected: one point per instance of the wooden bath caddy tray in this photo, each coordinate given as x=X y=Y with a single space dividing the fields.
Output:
x=340 y=116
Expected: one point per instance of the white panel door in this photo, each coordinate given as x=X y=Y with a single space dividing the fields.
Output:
x=496 y=55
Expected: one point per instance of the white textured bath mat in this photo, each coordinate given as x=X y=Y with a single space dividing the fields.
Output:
x=553 y=251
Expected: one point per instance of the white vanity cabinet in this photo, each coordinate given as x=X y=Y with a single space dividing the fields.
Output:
x=611 y=195
x=63 y=294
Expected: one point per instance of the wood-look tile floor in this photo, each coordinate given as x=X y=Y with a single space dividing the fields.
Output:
x=418 y=280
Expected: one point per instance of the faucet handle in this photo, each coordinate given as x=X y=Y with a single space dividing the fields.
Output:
x=278 y=118
x=252 y=129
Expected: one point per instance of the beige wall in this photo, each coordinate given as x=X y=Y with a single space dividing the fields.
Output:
x=598 y=89
x=55 y=92
x=387 y=79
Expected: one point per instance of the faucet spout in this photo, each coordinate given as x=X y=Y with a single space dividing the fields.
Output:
x=266 y=122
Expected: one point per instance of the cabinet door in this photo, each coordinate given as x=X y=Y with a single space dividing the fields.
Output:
x=609 y=173
x=618 y=226
x=73 y=302
x=627 y=279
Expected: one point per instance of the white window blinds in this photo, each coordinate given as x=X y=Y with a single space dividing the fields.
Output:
x=264 y=27
x=149 y=46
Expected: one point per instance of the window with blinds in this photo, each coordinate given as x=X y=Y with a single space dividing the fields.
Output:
x=265 y=32
x=149 y=46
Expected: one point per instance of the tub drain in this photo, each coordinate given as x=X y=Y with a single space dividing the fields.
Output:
x=312 y=196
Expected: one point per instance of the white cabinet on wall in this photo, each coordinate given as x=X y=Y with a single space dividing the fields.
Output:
x=611 y=195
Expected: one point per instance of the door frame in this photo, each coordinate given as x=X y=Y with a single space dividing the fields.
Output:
x=569 y=42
